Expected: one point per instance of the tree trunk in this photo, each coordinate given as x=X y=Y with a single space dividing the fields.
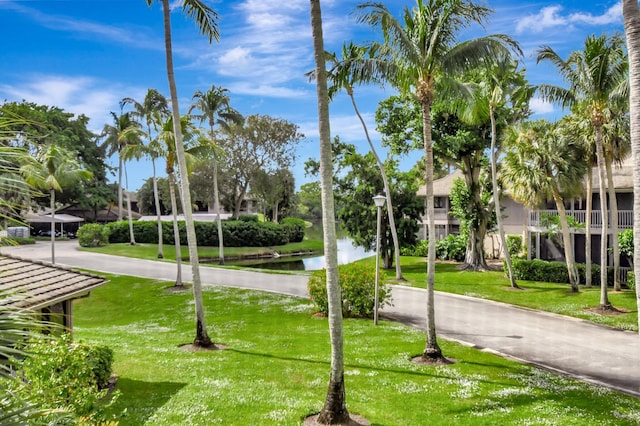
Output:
x=334 y=410
x=587 y=244
x=156 y=199
x=566 y=242
x=120 y=163
x=176 y=230
x=432 y=349
x=202 y=338
x=387 y=191
x=52 y=205
x=613 y=208
x=474 y=258
x=604 y=298
x=631 y=16
x=132 y=238
x=496 y=201
x=216 y=200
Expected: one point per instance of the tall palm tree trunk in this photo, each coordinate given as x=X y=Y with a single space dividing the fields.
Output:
x=496 y=201
x=432 y=349
x=52 y=206
x=334 y=410
x=176 y=230
x=202 y=338
x=132 y=238
x=588 y=281
x=566 y=240
x=120 y=164
x=216 y=200
x=156 y=200
x=613 y=208
x=604 y=298
x=631 y=16
x=387 y=191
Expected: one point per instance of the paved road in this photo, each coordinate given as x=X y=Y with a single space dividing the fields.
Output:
x=578 y=348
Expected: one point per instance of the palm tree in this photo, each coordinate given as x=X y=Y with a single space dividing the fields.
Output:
x=124 y=132
x=597 y=77
x=631 y=16
x=355 y=68
x=215 y=109
x=54 y=168
x=334 y=410
x=423 y=49
x=501 y=83
x=153 y=110
x=540 y=165
x=166 y=136
x=205 y=19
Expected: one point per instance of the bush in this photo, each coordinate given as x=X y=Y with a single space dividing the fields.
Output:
x=514 y=245
x=248 y=218
x=62 y=374
x=358 y=290
x=294 y=228
x=93 y=235
x=631 y=280
x=420 y=249
x=555 y=272
x=452 y=247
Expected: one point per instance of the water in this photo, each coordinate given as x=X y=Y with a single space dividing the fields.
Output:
x=347 y=253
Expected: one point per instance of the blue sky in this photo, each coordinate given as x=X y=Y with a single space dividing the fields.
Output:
x=86 y=55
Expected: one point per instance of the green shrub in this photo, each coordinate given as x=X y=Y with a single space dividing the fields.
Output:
x=17 y=240
x=294 y=228
x=452 y=247
x=420 y=249
x=514 y=245
x=248 y=218
x=93 y=235
x=631 y=280
x=357 y=281
x=62 y=374
x=555 y=272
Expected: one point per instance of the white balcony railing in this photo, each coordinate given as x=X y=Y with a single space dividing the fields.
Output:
x=625 y=217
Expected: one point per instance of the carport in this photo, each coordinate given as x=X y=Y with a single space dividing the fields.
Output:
x=57 y=218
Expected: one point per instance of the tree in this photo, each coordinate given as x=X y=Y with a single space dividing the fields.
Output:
x=631 y=16
x=540 y=165
x=355 y=67
x=146 y=197
x=334 y=410
x=422 y=49
x=215 y=110
x=30 y=125
x=153 y=111
x=119 y=136
x=263 y=143
x=205 y=19
x=309 y=205
x=597 y=77
x=54 y=169
x=276 y=191
x=501 y=83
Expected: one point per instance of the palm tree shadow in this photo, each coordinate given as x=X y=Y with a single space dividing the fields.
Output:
x=139 y=400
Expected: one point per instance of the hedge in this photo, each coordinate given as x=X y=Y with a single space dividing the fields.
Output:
x=236 y=233
x=554 y=272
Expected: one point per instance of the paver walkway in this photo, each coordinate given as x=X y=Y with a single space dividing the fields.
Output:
x=590 y=352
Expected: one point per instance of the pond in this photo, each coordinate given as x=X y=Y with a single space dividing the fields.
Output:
x=347 y=253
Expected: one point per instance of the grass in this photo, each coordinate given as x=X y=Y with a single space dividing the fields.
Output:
x=150 y=251
x=276 y=367
x=550 y=297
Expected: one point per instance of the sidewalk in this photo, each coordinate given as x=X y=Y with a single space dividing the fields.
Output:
x=570 y=346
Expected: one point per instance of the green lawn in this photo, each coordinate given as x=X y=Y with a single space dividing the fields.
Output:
x=548 y=297
x=275 y=369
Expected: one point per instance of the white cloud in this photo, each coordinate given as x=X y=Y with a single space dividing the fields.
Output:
x=539 y=106
x=548 y=17
x=348 y=127
x=551 y=17
x=75 y=94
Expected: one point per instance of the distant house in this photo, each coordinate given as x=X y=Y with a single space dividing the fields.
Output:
x=514 y=214
x=44 y=288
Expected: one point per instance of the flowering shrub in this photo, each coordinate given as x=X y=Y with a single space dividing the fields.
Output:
x=357 y=281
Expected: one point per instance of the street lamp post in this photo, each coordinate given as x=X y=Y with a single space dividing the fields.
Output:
x=379 y=202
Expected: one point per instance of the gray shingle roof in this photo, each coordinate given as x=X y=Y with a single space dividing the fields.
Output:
x=31 y=284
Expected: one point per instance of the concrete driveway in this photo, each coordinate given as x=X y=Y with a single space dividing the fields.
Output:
x=566 y=345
